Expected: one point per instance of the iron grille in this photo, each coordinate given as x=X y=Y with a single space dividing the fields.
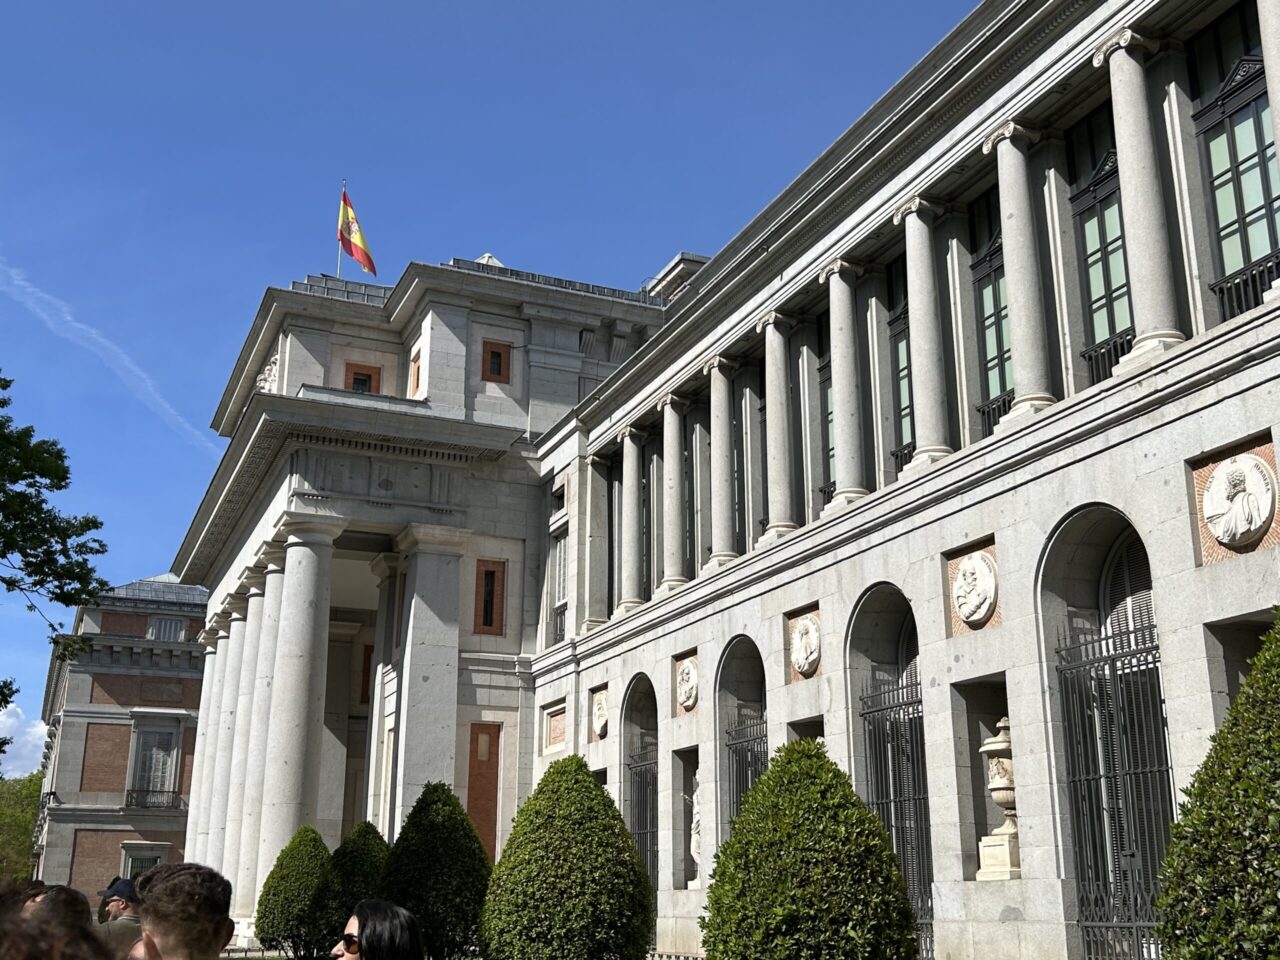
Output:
x=748 y=744
x=1243 y=290
x=1119 y=785
x=898 y=789
x=1103 y=356
x=557 y=622
x=993 y=410
x=902 y=455
x=642 y=769
x=154 y=800
x=828 y=491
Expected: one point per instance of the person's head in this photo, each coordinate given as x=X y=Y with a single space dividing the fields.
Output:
x=43 y=938
x=59 y=904
x=379 y=930
x=121 y=898
x=185 y=911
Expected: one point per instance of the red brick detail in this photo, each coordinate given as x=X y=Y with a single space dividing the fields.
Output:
x=499 y=570
x=373 y=373
x=415 y=374
x=124 y=625
x=482 y=783
x=194 y=628
x=495 y=361
x=1211 y=551
x=106 y=758
x=95 y=855
x=133 y=691
x=188 y=759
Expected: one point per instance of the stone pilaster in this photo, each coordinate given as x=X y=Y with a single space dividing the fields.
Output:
x=595 y=579
x=672 y=409
x=778 y=445
x=231 y=647
x=723 y=548
x=632 y=555
x=850 y=470
x=1269 y=24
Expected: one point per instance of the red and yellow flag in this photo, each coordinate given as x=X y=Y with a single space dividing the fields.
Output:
x=350 y=237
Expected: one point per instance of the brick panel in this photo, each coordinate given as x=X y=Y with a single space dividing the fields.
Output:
x=194 y=628
x=95 y=855
x=188 y=759
x=482 y=783
x=1211 y=551
x=133 y=691
x=124 y=625
x=106 y=758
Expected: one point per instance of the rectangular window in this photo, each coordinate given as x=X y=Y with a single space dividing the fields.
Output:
x=415 y=374
x=992 y=309
x=136 y=866
x=1217 y=49
x=490 y=596
x=362 y=378
x=900 y=370
x=1244 y=187
x=495 y=362
x=153 y=765
x=168 y=629
x=366 y=673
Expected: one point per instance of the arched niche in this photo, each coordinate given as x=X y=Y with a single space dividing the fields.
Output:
x=639 y=744
x=741 y=724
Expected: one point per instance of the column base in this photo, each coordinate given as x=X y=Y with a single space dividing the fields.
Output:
x=718 y=560
x=1023 y=408
x=775 y=532
x=1147 y=350
x=670 y=585
x=592 y=623
x=625 y=607
x=924 y=458
x=841 y=500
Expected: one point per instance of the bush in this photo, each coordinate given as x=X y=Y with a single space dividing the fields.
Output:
x=288 y=915
x=807 y=872
x=570 y=885
x=438 y=870
x=355 y=874
x=1222 y=869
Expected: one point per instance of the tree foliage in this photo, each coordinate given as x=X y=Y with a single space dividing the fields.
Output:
x=570 y=884
x=438 y=870
x=289 y=915
x=1221 y=873
x=355 y=874
x=19 y=806
x=45 y=554
x=8 y=690
x=807 y=872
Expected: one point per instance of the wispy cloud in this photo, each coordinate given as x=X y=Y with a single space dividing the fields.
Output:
x=23 y=755
x=58 y=316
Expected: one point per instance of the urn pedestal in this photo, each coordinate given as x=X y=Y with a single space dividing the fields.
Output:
x=998 y=852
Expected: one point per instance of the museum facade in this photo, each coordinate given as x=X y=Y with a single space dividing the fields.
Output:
x=959 y=456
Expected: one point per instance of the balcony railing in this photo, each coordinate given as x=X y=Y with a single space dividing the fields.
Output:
x=1243 y=289
x=993 y=410
x=828 y=490
x=154 y=800
x=1105 y=354
x=558 y=621
x=902 y=455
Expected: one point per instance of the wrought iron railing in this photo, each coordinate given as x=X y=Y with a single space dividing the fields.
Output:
x=1243 y=290
x=1105 y=354
x=902 y=455
x=642 y=801
x=154 y=800
x=993 y=410
x=828 y=490
x=557 y=622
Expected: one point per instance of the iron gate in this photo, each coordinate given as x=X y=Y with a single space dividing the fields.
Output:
x=748 y=745
x=898 y=789
x=1119 y=783
x=642 y=771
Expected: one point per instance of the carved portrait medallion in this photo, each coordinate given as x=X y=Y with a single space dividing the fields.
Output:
x=806 y=644
x=973 y=592
x=1239 y=500
x=687 y=683
x=599 y=714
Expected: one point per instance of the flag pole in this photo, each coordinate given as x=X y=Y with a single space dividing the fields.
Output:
x=344 y=193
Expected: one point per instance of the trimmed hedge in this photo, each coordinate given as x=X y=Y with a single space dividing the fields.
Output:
x=288 y=918
x=355 y=874
x=807 y=872
x=438 y=870
x=570 y=884
x=1221 y=873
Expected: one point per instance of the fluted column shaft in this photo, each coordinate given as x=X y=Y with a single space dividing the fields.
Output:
x=294 y=739
x=233 y=646
x=250 y=875
x=928 y=372
x=779 y=445
x=723 y=548
x=673 y=493
x=631 y=553
x=196 y=801
x=846 y=385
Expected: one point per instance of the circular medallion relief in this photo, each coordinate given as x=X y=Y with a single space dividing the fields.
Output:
x=599 y=715
x=806 y=644
x=973 y=592
x=687 y=683
x=1239 y=500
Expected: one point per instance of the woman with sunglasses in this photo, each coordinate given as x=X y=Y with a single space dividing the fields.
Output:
x=379 y=930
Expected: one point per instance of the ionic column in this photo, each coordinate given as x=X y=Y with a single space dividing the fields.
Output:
x=1146 y=228
x=1269 y=25
x=778 y=447
x=673 y=494
x=232 y=646
x=251 y=582
x=251 y=874
x=846 y=388
x=723 y=548
x=196 y=799
x=595 y=580
x=632 y=555
x=1029 y=346
x=295 y=734
x=928 y=371
x=217 y=633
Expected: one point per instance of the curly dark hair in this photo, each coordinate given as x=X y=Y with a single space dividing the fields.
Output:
x=46 y=938
x=60 y=904
x=186 y=903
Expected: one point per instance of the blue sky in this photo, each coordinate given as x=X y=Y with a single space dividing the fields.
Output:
x=163 y=163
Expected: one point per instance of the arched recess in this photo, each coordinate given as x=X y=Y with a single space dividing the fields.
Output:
x=741 y=715
x=640 y=763
x=888 y=737
x=1102 y=629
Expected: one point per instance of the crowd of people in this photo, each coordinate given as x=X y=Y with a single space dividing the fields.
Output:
x=177 y=911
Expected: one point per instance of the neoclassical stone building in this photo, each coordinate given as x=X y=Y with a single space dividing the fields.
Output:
x=959 y=456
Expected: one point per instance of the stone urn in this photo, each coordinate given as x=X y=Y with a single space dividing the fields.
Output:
x=998 y=852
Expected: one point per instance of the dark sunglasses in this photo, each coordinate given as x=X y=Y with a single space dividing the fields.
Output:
x=351 y=943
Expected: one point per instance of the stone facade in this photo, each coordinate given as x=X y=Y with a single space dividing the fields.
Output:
x=948 y=443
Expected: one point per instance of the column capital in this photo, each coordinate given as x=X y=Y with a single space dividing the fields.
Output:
x=1012 y=131
x=632 y=432
x=236 y=606
x=1123 y=39
x=253 y=581
x=673 y=400
x=270 y=557
x=598 y=459
x=848 y=269
x=727 y=364
x=431 y=538
x=775 y=318
x=384 y=566
x=309 y=527
x=918 y=205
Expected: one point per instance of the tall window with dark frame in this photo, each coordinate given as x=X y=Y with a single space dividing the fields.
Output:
x=828 y=486
x=993 y=309
x=1233 y=125
x=904 y=434
x=1095 y=207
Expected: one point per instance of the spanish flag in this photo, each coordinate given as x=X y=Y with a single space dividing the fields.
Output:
x=351 y=239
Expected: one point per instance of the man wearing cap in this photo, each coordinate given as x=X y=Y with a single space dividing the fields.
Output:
x=123 y=925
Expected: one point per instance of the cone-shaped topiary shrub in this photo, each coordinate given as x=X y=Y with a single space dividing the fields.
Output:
x=807 y=872
x=438 y=870
x=355 y=874
x=1220 y=882
x=288 y=915
x=570 y=885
